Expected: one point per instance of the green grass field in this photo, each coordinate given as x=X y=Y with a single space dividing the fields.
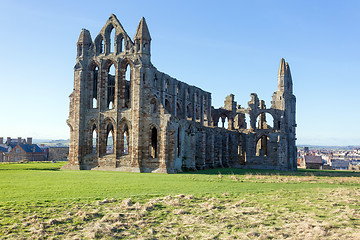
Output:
x=38 y=200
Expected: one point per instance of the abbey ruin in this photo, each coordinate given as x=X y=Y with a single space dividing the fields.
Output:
x=126 y=115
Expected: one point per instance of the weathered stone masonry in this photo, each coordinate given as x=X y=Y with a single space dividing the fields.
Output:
x=160 y=124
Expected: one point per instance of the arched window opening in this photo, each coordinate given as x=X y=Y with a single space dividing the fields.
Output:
x=178 y=89
x=188 y=93
x=95 y=87
x=111 y=87
x=127 y=86
x=197 y=97
x=144 y=47
x=278 y=125
x=126 y=139
x=205 y=116
x=122 y=45
x=178 y=149
x=155 y=83
x=128 y=73
x=261 y=146
x=188 y=112
x=110 y=139
x=112 y=70
x=112 y=40
x=153 y=106
x=119 y=44
x=79 y=50
x=167 y=85
x=220 y=122
x=154 y=142
x=226 y=123
x=264 y=121
x=99 y=44
x=240 y=147
x=94 y=140
x=111 y=105
x=178 y=110
x=167 y=106
x=197 y=114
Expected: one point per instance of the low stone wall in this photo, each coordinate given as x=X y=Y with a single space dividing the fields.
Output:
x=58 y=153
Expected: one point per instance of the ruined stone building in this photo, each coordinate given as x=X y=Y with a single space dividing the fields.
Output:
x=160 y=124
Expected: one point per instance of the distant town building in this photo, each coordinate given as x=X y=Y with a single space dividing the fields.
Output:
x=354 y=166
x=2 y=153
x=306 y=150
x=339 y=164
x=18 y=150
x=312 y=162
x=45 y=149
x=334 y=158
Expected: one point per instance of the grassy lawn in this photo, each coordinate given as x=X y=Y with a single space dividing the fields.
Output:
x=38 y=200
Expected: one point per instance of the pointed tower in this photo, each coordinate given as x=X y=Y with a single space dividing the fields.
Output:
x=285 y=86
x=284 y=101
x=281 y=75
x=288 y=79
x=83 y=44
x=284 y=77
x=142 y=38
x=78 y=103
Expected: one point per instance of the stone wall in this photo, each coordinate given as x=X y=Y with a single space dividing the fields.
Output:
x=21 y=156
x=58 y=153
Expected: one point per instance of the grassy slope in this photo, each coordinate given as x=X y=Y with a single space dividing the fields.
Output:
x=42 y=189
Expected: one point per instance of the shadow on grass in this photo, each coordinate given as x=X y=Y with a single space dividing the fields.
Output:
x=31 y=169
x=31 y=166
x=299 y=172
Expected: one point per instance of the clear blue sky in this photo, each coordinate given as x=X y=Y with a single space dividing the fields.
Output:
x=220 y=46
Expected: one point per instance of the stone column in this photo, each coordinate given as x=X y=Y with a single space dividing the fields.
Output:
x=231 y=124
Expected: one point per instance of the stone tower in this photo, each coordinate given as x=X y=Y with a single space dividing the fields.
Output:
x=103 y=102
x=125 y=115
x=284 y=100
